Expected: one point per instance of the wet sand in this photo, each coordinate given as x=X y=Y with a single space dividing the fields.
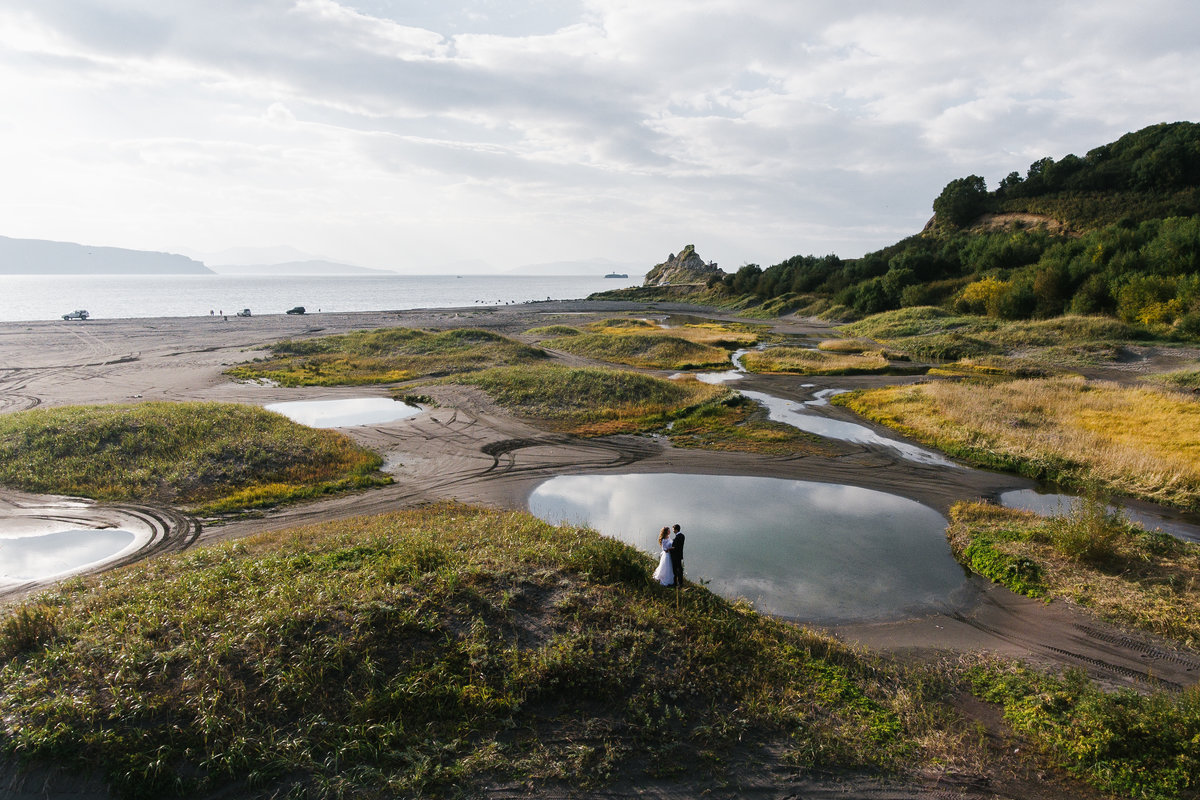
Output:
x=469 y=450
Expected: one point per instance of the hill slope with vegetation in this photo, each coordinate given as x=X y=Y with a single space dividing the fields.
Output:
x=1115 y=232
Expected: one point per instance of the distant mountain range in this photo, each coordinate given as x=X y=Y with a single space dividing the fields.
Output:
x=41 y=257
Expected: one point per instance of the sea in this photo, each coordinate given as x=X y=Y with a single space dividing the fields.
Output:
x=47 y=297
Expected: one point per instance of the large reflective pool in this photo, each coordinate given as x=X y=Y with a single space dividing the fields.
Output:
x=344 y=413
x=45 y=555
x=813 y=551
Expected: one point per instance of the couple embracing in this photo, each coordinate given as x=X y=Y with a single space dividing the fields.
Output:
x=670 y=563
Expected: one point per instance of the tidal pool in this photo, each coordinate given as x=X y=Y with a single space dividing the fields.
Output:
x=45 y=555
x=814 y=551
x=344 y=413
x=1058 y=505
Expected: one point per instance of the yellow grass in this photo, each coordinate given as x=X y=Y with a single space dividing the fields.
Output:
x=714 y=334
x=1138 y=441
x=799 y=360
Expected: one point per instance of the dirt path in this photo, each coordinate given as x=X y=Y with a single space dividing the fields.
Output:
x=469 y=450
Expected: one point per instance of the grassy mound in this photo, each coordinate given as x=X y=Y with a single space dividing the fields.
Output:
x=428 y=653
x=1092 y=556
x=1129 y=441
x=591 y=401
x=208 y=456
x=802 y=361
x=385 y=356
x=551 y=331
x=652 y=351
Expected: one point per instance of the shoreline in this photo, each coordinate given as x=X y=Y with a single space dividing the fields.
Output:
x=470 y=450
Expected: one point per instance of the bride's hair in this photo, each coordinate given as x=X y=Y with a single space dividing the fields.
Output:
x=663 y=534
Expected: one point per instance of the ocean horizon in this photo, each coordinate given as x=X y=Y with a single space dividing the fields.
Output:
x=47 y=297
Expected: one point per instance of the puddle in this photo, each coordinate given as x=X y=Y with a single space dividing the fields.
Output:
x=344 y=413
x=814 y=551
x=1062 y=504
x=46 y=555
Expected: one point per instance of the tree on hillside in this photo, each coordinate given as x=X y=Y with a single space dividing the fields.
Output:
x=962 y=201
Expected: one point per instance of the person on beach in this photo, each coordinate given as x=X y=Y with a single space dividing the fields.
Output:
x=676 y=554
x=664 y=573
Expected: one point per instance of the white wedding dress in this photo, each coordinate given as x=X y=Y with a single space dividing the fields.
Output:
x=664 y=573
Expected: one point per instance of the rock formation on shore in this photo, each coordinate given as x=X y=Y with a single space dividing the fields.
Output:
x=686 y=267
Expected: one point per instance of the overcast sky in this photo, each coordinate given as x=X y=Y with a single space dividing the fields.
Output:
x=413 y=134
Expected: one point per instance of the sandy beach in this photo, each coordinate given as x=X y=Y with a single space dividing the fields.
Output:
x=469 y=450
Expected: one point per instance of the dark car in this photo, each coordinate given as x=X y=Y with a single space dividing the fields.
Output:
x=296 y=310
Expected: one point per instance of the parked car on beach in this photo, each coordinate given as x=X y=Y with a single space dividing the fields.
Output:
x=245 y=312
x=296 y=310
x=78 y=313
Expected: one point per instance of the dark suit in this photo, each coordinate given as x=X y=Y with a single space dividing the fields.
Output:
x=676 y=552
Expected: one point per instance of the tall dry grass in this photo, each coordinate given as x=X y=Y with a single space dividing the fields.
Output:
x=1130 y=440
x=802 y=361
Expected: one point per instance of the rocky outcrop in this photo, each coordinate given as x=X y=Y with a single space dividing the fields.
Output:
x=686 y=267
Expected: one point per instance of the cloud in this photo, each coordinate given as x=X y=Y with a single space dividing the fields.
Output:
x=532 y=128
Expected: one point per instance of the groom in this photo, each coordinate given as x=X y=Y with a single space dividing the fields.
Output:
x=676 y=553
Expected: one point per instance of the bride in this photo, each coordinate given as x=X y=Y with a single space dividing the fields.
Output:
x=664 y=573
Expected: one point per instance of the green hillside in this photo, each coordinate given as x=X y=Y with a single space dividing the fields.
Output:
x=1114 y=232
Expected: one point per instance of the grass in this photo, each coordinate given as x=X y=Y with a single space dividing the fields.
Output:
x=1093 y=557
x=592 y=401
x=386 y=355
x=1187 y=379
x=803 y=361
x=1125 y=743
x=433 y=653
x=739 y=424
x=1143 y=745
x=934 y=334
x=596 y=401
x=210 y=457
x=649 y=351
x=646 y=344
x=1142 y=442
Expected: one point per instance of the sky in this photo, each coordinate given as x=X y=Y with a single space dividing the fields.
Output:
x=422 y=135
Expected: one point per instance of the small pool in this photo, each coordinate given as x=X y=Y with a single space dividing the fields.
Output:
x=45 y=555
x=1058 y=505
x=344 y=413
x=819 y=552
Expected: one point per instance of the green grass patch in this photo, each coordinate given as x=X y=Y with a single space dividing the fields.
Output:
x=1129 y=744
x=433 y=652
x=1180 y=379
x=650 y=351
x=592 y=401
x=1092 y=556
x=210 y=457
x=736 y=423
x=803 y=361
x=386 y=355
x=553 y=331
x=934 y=334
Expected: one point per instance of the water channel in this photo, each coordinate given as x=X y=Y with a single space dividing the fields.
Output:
x=814 y=551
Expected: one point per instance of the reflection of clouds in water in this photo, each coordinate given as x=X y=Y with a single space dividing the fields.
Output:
x=799 y=548
x=32 y=557
x=345 y=412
